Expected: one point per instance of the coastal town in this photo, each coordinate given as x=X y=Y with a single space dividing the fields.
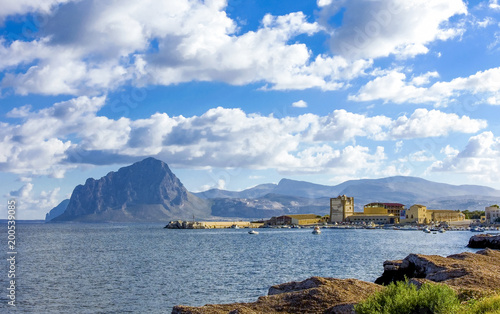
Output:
x=375 y=215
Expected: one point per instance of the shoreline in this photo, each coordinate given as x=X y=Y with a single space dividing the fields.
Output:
x=183 y=224
x=470 y=275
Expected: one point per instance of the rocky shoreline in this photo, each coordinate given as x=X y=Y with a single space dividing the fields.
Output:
x=313 y=295
x=470 y=274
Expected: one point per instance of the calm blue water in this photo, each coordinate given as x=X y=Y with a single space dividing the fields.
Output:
x=85 y=268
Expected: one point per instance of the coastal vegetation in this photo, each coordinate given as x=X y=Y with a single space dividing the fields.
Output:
x=489 y=305
x=403 y=297
x=476 y=214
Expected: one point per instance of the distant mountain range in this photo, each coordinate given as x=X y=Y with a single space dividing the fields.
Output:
x=149 y=191
x=398 y=189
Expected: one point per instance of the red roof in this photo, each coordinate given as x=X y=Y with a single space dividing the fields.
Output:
x=393 y=204
x=387 y=204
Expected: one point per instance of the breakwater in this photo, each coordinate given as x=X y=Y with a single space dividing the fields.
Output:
x=180 y=224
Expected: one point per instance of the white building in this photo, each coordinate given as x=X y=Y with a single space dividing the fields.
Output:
x=492 y=213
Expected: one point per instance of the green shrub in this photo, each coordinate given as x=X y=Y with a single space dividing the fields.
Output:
x=490 y=305
x=402 y=297
x=468 y=294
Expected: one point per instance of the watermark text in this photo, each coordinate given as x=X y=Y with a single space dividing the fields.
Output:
x=11 y=244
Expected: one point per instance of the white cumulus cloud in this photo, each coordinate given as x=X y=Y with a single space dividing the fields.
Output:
x=394 y=87
x=51 y=140
x=299 y=104
x=480 y=159
x=372 y=29
x=32 y=203
x=21 y=7
x=425 y=123
x=111 y=43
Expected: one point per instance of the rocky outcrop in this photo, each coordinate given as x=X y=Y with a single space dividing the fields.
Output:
x=485 y=241
x=180 y=224
x=144 y=191
x=293 y=286
x=313 y=295
x=57 y=211
x=465 y=272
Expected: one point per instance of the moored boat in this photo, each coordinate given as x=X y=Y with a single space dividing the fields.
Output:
x=316 y=230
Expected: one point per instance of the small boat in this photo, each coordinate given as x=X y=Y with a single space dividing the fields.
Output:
x=252 y=232
x=427 y=230
x=442 y=230
x=316 y=230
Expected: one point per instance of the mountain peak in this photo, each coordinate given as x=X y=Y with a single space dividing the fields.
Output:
x=144 y=191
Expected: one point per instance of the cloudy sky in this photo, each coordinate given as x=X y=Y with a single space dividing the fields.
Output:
x=236 y=93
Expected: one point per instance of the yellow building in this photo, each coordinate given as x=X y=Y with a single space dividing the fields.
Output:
x=379 y=213
x=446 y=215
x=341 y=207
x=416 y=214
x=305 y=219
x=492 y=213
x=384 y=208
x=421 y=215
x=375 y=218
x=375 y=209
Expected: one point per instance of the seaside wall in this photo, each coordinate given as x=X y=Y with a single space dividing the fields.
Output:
x=179 y=224
x=229 y=224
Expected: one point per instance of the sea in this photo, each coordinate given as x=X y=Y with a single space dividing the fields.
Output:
x=139 y=268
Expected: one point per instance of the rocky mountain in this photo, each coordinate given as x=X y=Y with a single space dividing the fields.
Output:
x=57 y=211
x=255 y=192
x=144 y=191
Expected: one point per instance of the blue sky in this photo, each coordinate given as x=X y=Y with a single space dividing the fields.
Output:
x=232 y=94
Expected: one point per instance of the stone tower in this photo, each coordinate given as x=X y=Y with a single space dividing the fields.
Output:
x=340 y=208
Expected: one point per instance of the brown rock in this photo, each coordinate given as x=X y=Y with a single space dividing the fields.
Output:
x=313 y=295
x=476 y=272
x=485 y=241
x=312 y=282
